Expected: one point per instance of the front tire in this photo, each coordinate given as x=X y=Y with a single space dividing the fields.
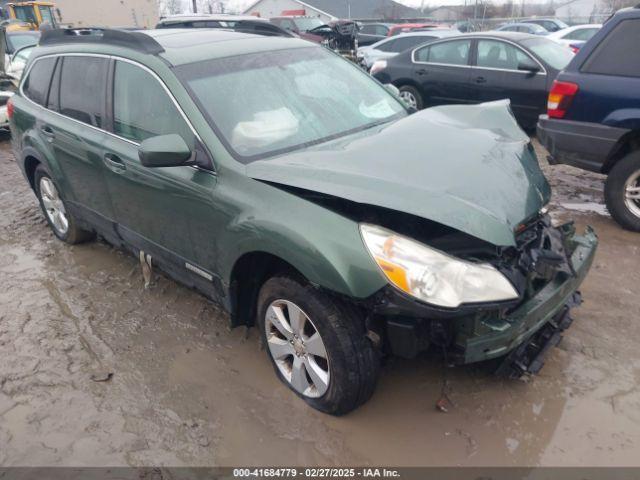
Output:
x=60 y=220
x=317 y=345
x=412 y=97
x=622 y=192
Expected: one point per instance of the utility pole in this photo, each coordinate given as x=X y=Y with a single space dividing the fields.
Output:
x=195 y=6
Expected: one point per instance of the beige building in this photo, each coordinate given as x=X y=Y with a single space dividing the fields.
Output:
x=107 y=13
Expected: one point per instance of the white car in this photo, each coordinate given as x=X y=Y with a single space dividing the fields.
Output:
x=14 y=66
x=390 y=47
x=577 y=33
x=15 y=63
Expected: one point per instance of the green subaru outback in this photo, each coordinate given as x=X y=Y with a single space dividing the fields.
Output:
x=303 y=197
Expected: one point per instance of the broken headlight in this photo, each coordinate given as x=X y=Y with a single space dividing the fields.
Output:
x=433 y=276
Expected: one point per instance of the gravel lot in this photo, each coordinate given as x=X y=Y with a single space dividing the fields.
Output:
x=185 y=390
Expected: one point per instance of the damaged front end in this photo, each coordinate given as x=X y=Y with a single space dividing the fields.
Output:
x=474 y=267
x=340 y=36
x=547 y=266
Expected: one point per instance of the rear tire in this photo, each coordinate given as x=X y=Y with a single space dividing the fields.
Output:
x=60 y=220
x=352 y=364
x=622 y=192
x=411 y=97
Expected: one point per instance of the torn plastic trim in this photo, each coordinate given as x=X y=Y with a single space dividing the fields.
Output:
x=528 y=359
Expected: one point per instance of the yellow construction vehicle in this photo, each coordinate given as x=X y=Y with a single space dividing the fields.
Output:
x=30 y=15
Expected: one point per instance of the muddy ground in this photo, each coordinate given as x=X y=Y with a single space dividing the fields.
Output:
x=187 y=391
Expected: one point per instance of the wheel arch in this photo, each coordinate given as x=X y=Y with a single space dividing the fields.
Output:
x=33 y=154
x=30 y=165
x=403 y=82
x=628 y=143
x=338 y=269
x=249 y=273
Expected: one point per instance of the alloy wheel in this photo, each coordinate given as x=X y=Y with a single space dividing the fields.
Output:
x=297 y=348
x=632 y=193
x=409 y=99
x=53 y=206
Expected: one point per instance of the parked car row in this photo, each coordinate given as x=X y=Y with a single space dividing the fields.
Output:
x=478 y=67
x=566 y=35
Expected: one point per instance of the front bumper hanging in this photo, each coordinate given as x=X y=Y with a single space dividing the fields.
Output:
x=528 y=358
x=539 y=313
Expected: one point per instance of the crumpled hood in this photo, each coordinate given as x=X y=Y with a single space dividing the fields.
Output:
x=467 y=167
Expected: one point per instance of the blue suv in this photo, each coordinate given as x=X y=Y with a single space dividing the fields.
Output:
x=593 y=117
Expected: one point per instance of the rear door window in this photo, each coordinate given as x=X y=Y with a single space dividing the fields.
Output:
x=36 y=85
x=455 y=52
x=618 y=54
x=142 y=108
x=83 y=89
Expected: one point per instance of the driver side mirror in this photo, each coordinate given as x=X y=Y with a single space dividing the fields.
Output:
x=164 y=151
x=528 y=65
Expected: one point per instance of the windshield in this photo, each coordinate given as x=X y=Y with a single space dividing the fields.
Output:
x=15 y=41
x=274 y=102
x=555 y=55
x=25 y=13
x=47 y=15
x=306 y=24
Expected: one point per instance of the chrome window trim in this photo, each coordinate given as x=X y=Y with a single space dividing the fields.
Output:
x=117 y=58
x=543 y=70
x=441 y=40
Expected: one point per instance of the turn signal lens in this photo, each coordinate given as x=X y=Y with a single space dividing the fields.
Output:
x=560 y=98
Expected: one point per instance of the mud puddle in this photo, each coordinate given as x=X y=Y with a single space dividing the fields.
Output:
x=187 y=391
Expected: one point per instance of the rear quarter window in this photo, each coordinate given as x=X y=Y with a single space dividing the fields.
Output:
x=618 y=53
x=36 y=85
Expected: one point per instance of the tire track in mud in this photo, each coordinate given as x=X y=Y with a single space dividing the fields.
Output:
x=51 y=413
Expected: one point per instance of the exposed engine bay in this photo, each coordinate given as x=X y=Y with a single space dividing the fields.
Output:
x=340 y=36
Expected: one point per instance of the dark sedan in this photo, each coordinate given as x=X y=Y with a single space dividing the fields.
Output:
x=371 y=33
x=478 y=67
